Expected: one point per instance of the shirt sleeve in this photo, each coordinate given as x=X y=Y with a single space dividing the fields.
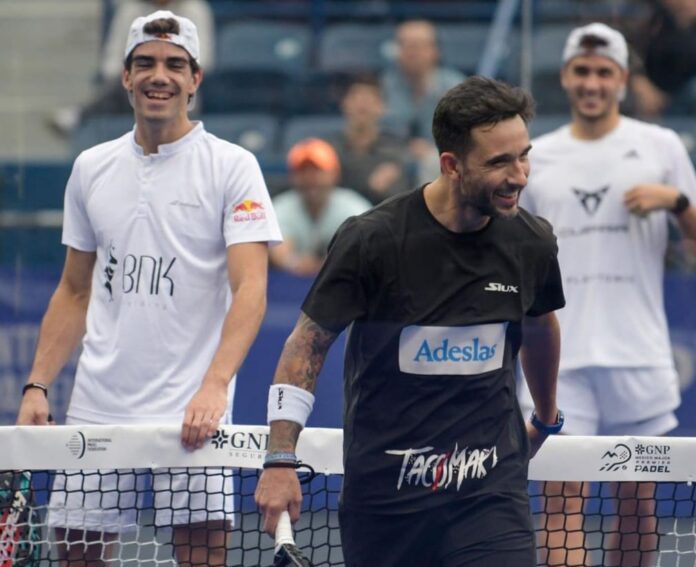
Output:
x=339 y=293
x=248 y=214
x=548 y=288
x=77 y=230
x=681 y=174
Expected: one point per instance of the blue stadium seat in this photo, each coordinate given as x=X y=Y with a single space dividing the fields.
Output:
x=256 y=132
x=310 y=126
x=462 y=45
x=269 y=46
x=547 y=58
x=101 y=128
x=356 y=47
x=245 y=90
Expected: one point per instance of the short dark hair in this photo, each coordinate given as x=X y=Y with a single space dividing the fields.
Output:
x=162 y=26
x=477 y=101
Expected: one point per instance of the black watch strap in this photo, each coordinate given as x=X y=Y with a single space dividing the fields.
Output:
x=681 y=204
x=551 y=429
x=37 y=385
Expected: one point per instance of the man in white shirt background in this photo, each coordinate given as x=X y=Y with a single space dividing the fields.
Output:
x=610 y=186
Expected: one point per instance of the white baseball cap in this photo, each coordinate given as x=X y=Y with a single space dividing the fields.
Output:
x=615 y=47
x=186 y=38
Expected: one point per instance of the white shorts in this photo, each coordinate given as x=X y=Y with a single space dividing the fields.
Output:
x=614 y=401
x=111 y=500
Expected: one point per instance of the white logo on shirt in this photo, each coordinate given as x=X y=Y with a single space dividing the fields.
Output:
x=492 y=286
x=452 y=350
x=438 y=471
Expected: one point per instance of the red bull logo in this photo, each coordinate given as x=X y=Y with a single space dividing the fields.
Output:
x=248 y=210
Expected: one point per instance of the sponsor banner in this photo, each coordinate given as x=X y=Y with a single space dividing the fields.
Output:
x=615 y=458
x=151 y=446
x=452 y=350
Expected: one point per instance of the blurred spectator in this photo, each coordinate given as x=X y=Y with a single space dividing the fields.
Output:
x=313 y=209
x=413 y=88
x=372 y=160
x=667 y=81
x=110 y=97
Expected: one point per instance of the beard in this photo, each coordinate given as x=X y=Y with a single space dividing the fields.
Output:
x=479 y=196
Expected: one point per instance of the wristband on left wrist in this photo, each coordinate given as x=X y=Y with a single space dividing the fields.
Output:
x=548 y=429
x=37 y=386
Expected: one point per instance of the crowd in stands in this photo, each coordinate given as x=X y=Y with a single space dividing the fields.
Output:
x=368 y=89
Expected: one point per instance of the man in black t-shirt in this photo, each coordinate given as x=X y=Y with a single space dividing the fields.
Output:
x=441 y=288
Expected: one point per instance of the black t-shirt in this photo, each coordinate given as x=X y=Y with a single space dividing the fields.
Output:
x=430 y=409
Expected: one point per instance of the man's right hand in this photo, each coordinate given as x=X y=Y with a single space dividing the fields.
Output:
x=278 y=490
x=34 y=409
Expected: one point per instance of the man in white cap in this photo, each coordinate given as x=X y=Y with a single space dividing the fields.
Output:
x=167 y=231
x=610 y=186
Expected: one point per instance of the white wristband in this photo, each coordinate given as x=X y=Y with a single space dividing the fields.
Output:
x=289 y=403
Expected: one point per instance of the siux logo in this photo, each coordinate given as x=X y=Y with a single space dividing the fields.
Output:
x=149 y=273
x=474 y=352
x=492 y=286
x=437 y=471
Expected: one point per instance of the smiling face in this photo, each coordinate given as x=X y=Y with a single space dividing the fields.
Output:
x=594 y=85
x=161 y=81
x=496 y=168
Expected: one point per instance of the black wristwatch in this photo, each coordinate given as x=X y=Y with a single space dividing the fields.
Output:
x=548 y=429
x=681 y=204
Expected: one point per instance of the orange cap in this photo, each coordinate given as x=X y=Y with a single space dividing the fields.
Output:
x=315 y=152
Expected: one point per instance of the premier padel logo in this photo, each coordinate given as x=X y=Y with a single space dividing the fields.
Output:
x=590 y=200
x=617 y=458
x=440 y=471
x=452 y=350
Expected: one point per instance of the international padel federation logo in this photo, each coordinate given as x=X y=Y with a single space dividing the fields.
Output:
x=616 y=459
x=77 y=445
x=220 y=439
x=248 y=210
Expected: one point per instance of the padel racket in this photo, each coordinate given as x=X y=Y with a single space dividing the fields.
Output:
x=19 y=522
x=287 y=554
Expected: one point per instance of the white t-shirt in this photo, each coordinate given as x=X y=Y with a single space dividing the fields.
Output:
x=612 y=261
x=160 y=225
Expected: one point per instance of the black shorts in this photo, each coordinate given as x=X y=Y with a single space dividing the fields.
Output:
x=489 y=530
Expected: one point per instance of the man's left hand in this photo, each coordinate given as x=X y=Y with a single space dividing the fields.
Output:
x=203 y=413
x=647 y=197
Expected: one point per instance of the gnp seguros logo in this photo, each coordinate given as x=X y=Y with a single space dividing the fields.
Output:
x=452 y=350
x=241 y=444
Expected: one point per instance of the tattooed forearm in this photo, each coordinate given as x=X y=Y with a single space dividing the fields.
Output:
x=284 y=436
x=304 y=354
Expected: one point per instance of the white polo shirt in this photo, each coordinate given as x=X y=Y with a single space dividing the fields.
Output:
x=160 y=225
x=611 y=260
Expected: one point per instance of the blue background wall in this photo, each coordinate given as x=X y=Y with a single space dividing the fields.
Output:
x=24 y=294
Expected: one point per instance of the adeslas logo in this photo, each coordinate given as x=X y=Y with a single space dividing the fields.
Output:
x=472 y=352
x=465 y=350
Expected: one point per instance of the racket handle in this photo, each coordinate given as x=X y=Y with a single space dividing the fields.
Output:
x=283 y=533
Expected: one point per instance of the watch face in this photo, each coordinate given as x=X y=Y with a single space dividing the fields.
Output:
x=681 y=204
